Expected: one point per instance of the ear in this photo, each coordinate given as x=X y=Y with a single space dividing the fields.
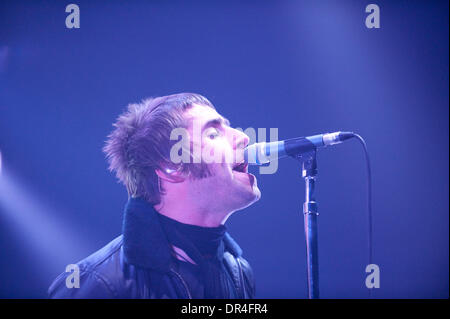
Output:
x=170 y=175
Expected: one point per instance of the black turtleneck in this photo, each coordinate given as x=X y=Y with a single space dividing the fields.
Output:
x=207 y=241
x=204 y=245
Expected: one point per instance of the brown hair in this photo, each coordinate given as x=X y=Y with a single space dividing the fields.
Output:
x=140 y=142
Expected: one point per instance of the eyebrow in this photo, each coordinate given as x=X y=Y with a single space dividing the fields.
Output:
x=216 y=123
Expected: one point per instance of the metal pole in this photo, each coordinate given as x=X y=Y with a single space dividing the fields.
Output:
x=309 y=173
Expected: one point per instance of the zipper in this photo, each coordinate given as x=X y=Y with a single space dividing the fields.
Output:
x=183 y=282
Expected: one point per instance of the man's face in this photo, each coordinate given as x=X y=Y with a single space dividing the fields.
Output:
x=229 y=185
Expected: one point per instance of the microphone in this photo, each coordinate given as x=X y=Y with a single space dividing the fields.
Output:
x=262 y=153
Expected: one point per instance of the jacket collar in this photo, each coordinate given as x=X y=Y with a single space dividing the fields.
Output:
x=144 y=242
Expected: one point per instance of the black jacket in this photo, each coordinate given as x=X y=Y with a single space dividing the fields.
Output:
x=140 y=264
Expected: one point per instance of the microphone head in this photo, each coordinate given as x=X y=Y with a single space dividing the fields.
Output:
x=263 y=153
x=251 y=154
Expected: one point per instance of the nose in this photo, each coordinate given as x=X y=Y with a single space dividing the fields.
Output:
x=240 y=139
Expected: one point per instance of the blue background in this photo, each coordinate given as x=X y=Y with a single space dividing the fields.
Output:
x=304 y=67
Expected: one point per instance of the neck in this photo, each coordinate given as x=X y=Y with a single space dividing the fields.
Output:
x=188 y=209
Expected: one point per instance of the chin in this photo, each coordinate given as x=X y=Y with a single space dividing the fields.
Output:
x=248 y=198
x=257 y=195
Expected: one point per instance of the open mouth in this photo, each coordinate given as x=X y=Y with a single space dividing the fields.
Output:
x=241 y=167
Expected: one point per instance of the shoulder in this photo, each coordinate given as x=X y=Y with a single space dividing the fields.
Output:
x=98 y=275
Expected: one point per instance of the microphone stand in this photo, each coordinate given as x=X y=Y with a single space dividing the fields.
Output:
x=309 y=173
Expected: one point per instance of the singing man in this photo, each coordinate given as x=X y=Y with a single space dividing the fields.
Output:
x=174 y=242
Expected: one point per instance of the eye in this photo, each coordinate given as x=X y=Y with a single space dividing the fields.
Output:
x=212 y=133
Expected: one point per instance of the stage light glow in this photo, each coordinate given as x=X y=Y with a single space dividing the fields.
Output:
x=52 y=243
